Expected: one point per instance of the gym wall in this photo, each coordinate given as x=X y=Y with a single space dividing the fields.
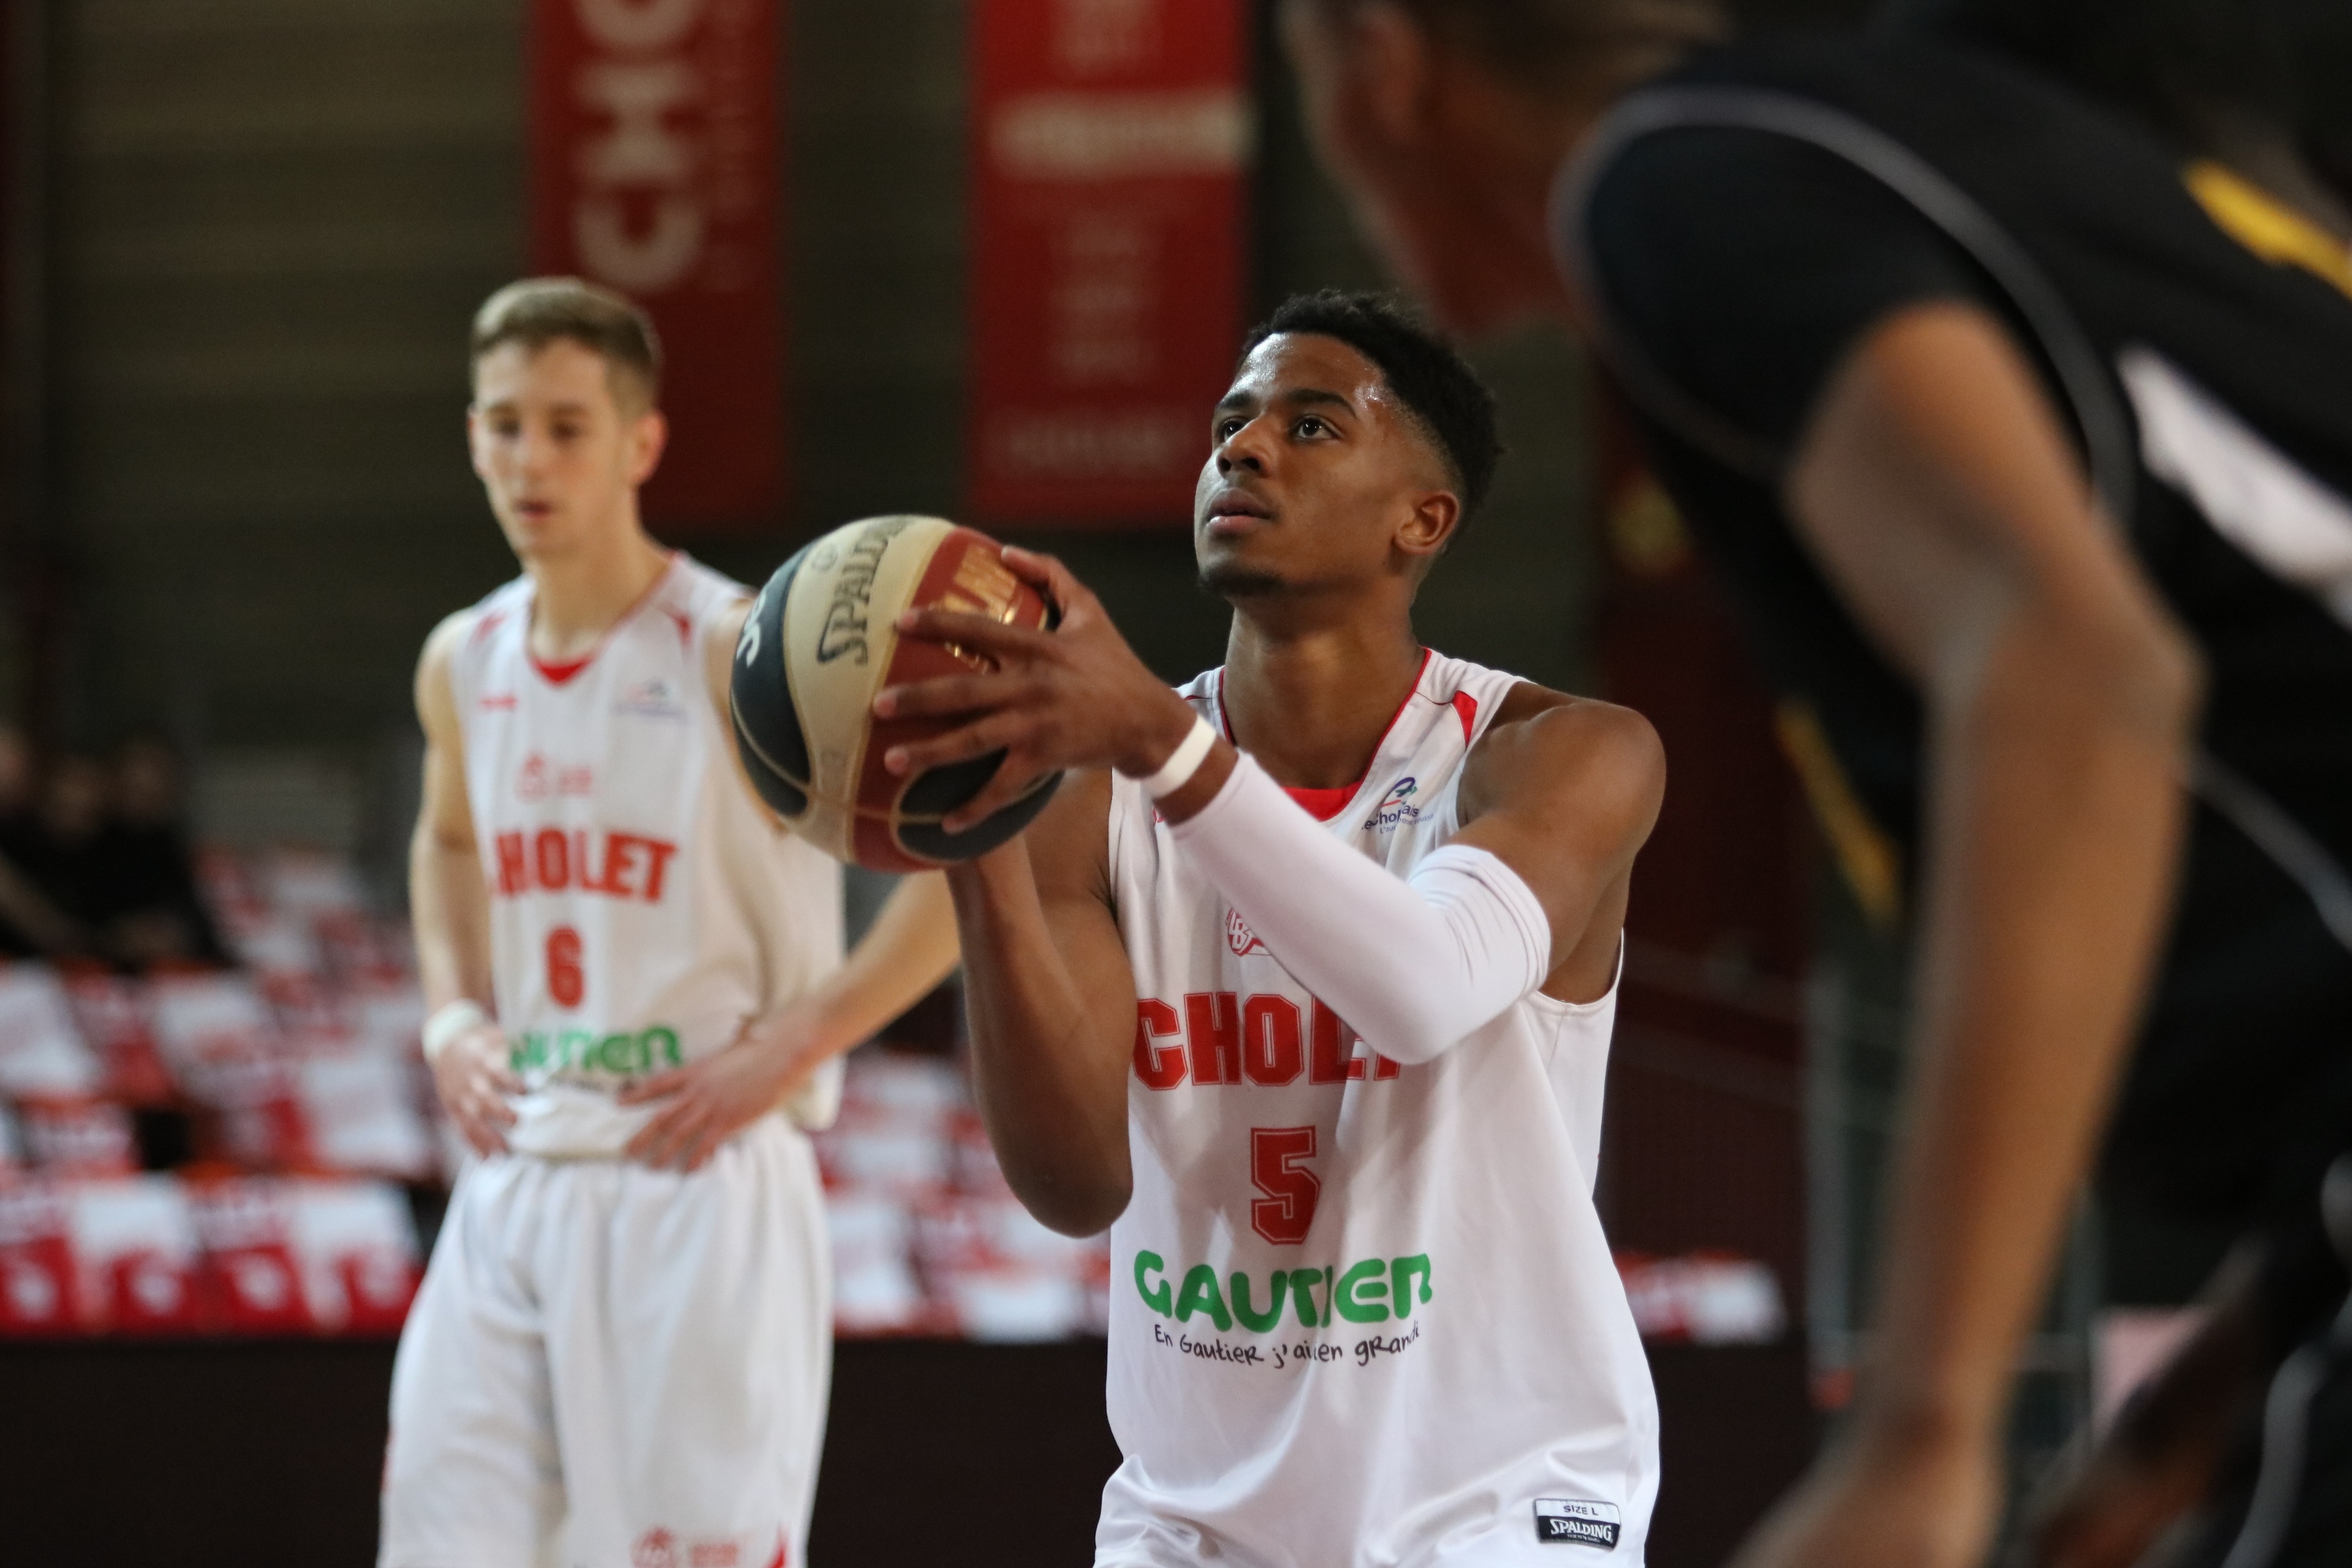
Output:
x=272 y=219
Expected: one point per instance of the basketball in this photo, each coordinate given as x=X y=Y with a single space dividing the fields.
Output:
x=822 y=640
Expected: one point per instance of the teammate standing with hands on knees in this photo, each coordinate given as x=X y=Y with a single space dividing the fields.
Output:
x=622 y=1349
x=1305 y=991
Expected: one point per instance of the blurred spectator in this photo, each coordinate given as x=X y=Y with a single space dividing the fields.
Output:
x=150 y=910
x=62 y=852
x=31 y=920
x=107 y=863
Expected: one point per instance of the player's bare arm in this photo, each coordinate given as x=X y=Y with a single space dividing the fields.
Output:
x=908 y=948
x=1051 y=999
x=450 y=906
x=1938 y=491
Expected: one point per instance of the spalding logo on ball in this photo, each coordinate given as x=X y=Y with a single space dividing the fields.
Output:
x=822 y=640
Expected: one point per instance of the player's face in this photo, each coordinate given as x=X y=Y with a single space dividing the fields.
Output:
x=1405 y=131
x=560 y=457
x=1317 y=477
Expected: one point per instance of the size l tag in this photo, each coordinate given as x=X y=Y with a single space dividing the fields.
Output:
x=1569 y=1521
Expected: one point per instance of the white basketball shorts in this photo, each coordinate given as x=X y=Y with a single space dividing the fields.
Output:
x=610 y=1366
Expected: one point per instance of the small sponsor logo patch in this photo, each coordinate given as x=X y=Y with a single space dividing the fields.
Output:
x=1396 y=807
x=1569 y=1521
x=654 y=1549
x=1239 y=937
x=540 y=779
x=651 y=699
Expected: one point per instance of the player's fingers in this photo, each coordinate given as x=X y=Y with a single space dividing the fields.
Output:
x=948 y=694
x=966 y=630
x=490 y=1106
x=655 y=1086
x=1035 y=567
x=992 y=733
x=694 y=1146
x=479 y=1137
x=1010 y=782
x=1061 y=585
x=659 y=1136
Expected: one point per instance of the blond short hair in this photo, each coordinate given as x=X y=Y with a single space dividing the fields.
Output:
x=536 y=311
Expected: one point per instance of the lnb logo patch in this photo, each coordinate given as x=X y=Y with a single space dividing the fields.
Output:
x=1569 y=1521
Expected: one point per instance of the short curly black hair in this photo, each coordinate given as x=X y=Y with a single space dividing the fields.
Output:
x=1429 y=376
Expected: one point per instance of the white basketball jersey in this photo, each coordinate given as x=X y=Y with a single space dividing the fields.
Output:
x=1361 y=1313
x=643 y=904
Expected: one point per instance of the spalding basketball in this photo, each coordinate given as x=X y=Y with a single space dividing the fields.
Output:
x=822 y=640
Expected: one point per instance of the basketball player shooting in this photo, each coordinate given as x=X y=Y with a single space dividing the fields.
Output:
x=1305 y=992
x=622 y=1347
x=2003 y=368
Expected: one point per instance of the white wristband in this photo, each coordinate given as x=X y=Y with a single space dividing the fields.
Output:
x=450 y=1021
x=1182 y=762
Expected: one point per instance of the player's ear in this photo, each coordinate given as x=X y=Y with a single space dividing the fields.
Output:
x=1434 y=517
x=649 y=437
x=474 y=453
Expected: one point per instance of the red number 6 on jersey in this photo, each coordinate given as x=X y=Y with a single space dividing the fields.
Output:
x=1287 y=1209
x=566 y=982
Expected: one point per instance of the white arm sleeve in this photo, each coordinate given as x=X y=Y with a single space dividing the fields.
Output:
x=1413 y=964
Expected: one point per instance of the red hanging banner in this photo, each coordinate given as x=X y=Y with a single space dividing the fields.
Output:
x=655 y=151
x=1112 y=142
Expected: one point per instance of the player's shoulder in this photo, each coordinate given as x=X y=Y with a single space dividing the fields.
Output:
x=706 y=602
x=441 y=644
x=462 y=631
x=1549 y=744
x=459 y=627
x=701 y=591
x=502 y=603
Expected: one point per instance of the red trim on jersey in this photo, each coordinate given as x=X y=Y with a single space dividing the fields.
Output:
x=557 y=674
x=1324 y=803
x=1467 y=706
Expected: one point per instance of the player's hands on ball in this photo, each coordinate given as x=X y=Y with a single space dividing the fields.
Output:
x=706 y=1103
x=473 y=1080
x=1076 y=696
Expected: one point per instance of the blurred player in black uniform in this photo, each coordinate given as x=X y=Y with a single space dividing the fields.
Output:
x=2001 y=362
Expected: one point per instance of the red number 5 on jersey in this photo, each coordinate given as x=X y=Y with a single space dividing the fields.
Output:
x=1284 y=1214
